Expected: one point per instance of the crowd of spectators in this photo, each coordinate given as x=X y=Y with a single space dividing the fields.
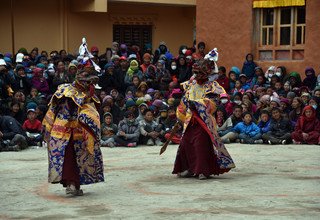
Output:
x=139 y=90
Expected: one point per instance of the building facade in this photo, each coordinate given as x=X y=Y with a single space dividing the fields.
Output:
x=277 y=32
x=61 y=24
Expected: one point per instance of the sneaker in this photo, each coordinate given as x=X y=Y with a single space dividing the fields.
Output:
x=132 y=144
x=184 y=174
x=202 y=177
x=13 y=148
x=296 y=142
x=158 y=142
x=284 y=142
x=260 y=141
x=269 y=142
x=150 y=142
x=226 y=141
x=111 y=144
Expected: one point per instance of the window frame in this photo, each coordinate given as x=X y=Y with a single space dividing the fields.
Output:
x=275 y=48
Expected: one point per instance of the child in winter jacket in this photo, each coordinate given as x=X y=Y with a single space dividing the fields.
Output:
x=248 y=131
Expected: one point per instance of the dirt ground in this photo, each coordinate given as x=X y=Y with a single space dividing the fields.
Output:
x=270 y=182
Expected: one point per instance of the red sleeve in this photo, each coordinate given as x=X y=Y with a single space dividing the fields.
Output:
x=24 y=126
x=39 y=126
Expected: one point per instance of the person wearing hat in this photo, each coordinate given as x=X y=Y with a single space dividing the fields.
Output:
x=33 y=128
x=128 y=131
x=39 y=82
x=150 y=130
x=233 y=76
x=311 y=80
x=162 y=49
x=21 y=82
x=142 y=106
x=72 y=132
x=5 y=84
x=133 y=70
x=305 y=96
x=307 y=129
x=146 y=62
x=108 y=81
x=200 y=151
x=108 y=131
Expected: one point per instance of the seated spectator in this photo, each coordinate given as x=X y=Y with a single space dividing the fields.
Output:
x=128 y=131
x=220 y=116
x=141 y=108
x=315 y=103
x=237 y=88
x=108 y=131
x=297 y=107
x=169 y=124
x=33 y=128
x=34 y=96
x=264 y=123
x=248 y=132
x=12 y=136
x=233 y=76
x=245 y=85
x=226 y=104
x=141 y=90
x=307 y=129
x=225 y=131
x=280 y=129
x=17 y=112
x=150 y=130
x=223 y=80
x=305 y=97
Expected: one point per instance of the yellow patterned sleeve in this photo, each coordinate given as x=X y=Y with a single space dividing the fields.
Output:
x=181 y=112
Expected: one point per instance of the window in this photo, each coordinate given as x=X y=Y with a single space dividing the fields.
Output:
x=127 y=34
x=282 y=33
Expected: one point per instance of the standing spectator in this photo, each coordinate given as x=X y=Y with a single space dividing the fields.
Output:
x=223 y=80
x=307 y=129
x=311 y=80
x=249 y=66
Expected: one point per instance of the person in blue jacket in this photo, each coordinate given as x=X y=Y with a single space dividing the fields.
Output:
x=248 y=131
x=264 y=124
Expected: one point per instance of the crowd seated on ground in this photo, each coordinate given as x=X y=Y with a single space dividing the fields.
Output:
x=139 y=90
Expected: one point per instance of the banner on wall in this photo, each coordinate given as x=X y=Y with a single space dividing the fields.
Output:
x=277 y=3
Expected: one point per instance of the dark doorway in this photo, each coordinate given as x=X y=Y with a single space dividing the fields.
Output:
x=128 y=34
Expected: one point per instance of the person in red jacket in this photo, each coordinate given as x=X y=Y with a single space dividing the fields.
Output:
x=307 y=129
x=223 y=80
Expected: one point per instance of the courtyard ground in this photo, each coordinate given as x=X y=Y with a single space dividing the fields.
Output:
x=269 y=182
